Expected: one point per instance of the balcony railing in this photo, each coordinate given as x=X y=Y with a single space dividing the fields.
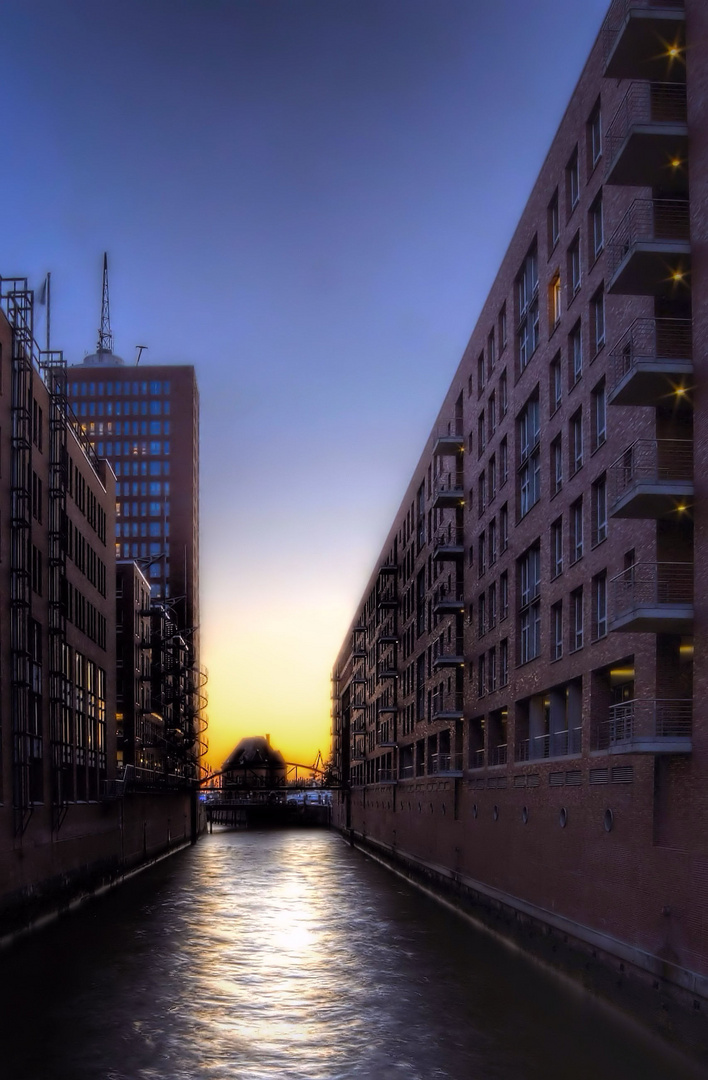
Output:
x=663 y=222
x=449 y=541
x=450 y=437
x=645 y=104
x=649 y=725
x=449 y=653
x=447 y=705
x=497 y=755
x=653 y=596
x=448 y=489
x=650 y=472
x=444 y=762
x=385 y=776
x=633 y=29
x=553 y=744
x=449 y=598
x=407 y=772
x=655 y=353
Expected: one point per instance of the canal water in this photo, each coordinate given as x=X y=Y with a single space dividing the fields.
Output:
x=288 y=955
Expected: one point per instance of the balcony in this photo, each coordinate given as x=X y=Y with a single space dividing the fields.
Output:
x=653 y=478
x=387 y=596
x=449 y=544
x=450 y=438
x=358 y=752
x=554 y=744
x=649 y=726
x=388 y=668
x=647 y=141
x=651 y=362
x=445 y=764
x=650 y=251
x=385 y=736
x=449 y=600
x=386 y=707
x=447 y=706
x=645 y=39
x=359 y=642
x=448 y=654
x=655 y=598
x=497 y=755
x=448 y=490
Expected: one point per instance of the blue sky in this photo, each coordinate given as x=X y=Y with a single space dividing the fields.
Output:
x=307 y=199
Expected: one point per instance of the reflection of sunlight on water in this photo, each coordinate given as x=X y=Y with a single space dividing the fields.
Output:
x=286 y=956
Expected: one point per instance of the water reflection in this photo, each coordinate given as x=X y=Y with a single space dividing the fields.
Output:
x=287 y=955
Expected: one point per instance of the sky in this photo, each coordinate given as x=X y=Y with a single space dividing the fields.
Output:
x=308 y=200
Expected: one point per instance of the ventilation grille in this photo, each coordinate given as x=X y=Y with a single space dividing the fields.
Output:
x=574 y=778
x=556 y=779
x=534 y=780
x=520 y=781
x=622 y=774
x=599 y=776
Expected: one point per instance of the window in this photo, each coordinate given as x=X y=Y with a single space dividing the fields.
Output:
x=492 y=670
x=503 y=461
x=555 y=382
x=504 y=527
x=527 y=298
x=597 y=239
x=599 y=415
x=574 y=269
x=503 y=394
x=595 y=136
x=492 y=413
x=482 y=554
x=576 y=614
x=491 y=351
x=553 y=221
x=480 y=374
x=481 y=434
x=504 y=662
x=576 y=531
x=481 y=494
x=557 y=631
x=576 y=442
x=597 y=320
x=572 y=174
x=529 y=604
x=554 y=301
x=502 y=328
x=482 y=615
x=557 y=548
x=481 y=676
x=492 y=530
x=529 y=456
x=492 y=477
x=575 y=352
x=492 y=605
x=599 y=506
x=599 y=605
x=503 y=595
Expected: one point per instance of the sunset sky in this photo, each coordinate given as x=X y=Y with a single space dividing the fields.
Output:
x=308 y=200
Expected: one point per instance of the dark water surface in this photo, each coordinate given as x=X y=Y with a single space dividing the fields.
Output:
x=288 y=955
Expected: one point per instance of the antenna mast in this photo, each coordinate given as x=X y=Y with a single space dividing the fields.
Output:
x=105 y=337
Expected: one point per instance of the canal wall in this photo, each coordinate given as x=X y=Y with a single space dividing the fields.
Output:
x=647 y=989
x=48 y=870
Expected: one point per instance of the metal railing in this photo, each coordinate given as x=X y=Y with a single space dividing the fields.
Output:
x=497 y=755
x=649 y=221
x=650 y=719
x=449 y=483
x=444 y=762
x=449 y=594
x=645 y=103
x=385 y=776
x=650 y=585
x=451 y=702
x=451 y=429
x=407 y=772
x=651 y=461
x=552 y=744
x=449 y=536
x=444 y=650
x=649 y=340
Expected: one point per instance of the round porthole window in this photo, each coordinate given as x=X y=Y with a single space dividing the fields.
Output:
x=525 y=815
x=495 y=813
x=609 y=820
x=474 y=810
x=563 y=817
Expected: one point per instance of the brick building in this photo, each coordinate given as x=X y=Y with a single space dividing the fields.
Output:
x=513 y=705
x=57 y=625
